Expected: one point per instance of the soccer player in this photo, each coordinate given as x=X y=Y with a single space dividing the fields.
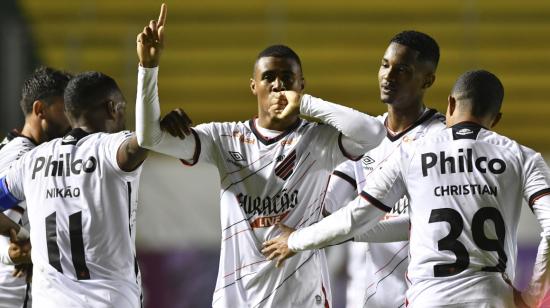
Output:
x=42 y=104
x=273 y=168
x=377 y=270
x=465 y=186
x=81 y=200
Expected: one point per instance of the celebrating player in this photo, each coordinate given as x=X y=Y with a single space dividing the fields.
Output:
x=377 y=270
x=42 y=104
x=465 y=186
x=273 y=168
x=81 y=200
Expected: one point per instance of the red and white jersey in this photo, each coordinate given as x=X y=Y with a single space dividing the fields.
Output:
x=465 y=186
x=377 y=270
x=265 y=181
x=14 y=292
x=82 y=208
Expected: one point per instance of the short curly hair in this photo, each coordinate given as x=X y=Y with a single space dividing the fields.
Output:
x=43 y=84
x=426 y=46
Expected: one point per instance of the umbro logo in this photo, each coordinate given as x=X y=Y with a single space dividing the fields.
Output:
x=464 y=132
x=237 y=156
x=367 y=160
x=69 y=138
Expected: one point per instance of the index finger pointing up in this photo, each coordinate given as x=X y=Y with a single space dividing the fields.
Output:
x=162 y=17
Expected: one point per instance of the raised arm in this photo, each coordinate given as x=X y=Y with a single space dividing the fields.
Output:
x=150 y=44
x=361 y=132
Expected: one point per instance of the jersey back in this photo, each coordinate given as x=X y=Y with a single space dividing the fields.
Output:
x=81 y=207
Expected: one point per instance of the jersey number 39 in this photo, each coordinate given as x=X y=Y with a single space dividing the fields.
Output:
x=451 y=243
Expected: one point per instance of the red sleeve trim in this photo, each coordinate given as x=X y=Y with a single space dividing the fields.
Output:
x=346 y=154
x=534 y=197
x=375 y=202
x=197 y=153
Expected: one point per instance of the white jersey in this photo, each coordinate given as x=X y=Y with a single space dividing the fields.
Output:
x=264 y=182
x=376 y=271
x=81 y=207
x=14 y=292
x=465 y=186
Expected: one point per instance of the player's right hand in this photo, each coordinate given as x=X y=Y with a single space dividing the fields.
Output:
x=19 y=251
x=176 y=123
x=150 y=42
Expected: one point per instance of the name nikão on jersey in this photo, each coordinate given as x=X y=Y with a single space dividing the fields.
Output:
x=64 y=165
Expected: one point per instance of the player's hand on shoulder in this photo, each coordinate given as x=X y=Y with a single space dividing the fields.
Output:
x=176 y=123
x=150 y=42
x=277 y=248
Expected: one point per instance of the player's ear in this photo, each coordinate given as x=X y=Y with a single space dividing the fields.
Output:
x=428 y=81
x=451 y=106
x=253 y=86
x=38 y=109
x=111 y=109
x=496 y=119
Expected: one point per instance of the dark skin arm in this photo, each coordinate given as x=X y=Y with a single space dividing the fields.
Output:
x=6 y=224
x=130 y=155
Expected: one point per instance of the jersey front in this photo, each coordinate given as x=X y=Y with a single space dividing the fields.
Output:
x=81 y=207
x=264 y=182
x=465 y=186
x=381 y=267
x=14 y=291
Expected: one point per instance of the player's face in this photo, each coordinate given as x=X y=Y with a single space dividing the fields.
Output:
x=402 y=78
x=54 y=122
x=271 y=76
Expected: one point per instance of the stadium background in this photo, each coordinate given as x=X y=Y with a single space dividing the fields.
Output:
x=210 y=49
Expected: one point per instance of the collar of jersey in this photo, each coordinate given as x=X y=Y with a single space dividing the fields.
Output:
x=423 y=118
x=78 y=133
x=468 y=124
x=267 y=141
x=14 y=134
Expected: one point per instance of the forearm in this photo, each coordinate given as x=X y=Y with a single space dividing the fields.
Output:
x=539 y=285
x=360 y=131
x=394 y=229
x=356 y=217
x=148 y=131
x=4 y=241
x=6 y=224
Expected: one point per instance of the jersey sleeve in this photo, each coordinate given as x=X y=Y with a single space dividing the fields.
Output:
x=342 y=187
x=536 y=177
x=11 y=186
x=385 y=186
x=109 y=147
x=537 y=192
x=205 y=144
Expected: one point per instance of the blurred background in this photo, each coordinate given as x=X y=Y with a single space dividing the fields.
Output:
x=210 y=50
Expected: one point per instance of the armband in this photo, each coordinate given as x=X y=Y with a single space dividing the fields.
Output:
x=7 y=200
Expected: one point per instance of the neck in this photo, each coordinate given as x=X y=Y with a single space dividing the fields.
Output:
x=276 y=124
x=33 y=133
x=400 y=119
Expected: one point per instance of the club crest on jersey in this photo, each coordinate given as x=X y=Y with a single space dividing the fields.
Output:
x=237 y=156
x=63 y=166
x=285 y=168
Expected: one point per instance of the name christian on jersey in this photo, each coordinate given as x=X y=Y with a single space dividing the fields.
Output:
x=64 y=165
x=466 y=162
